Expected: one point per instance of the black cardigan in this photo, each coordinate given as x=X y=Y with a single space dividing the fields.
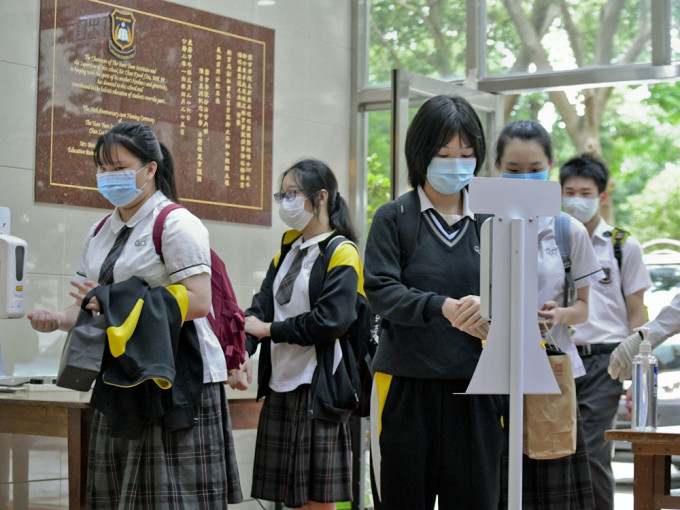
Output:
x=332 y=297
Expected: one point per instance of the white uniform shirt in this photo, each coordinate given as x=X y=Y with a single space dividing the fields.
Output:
x=186 y=251
x=608 y=317
x=292 y=364
x=426 y=203
x=584 y=267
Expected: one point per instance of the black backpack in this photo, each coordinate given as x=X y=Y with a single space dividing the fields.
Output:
x=358 y=344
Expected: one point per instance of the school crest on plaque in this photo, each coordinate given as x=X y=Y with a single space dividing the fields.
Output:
x=121 y=44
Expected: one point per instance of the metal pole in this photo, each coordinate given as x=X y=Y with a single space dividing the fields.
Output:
x=517 y=335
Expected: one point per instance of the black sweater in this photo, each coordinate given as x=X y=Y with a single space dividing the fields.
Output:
x=419 y=341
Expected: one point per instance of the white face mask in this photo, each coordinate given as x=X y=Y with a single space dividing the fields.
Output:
x=583 y=209
x=294 y=214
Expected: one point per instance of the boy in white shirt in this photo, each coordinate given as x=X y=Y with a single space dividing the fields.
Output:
x=616 y=307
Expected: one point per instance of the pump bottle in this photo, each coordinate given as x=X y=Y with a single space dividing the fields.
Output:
x=645 y=370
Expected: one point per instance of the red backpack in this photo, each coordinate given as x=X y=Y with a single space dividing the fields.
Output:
x=226 y=318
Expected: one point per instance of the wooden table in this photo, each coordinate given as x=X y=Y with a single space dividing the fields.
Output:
x=652 y=460
x=68 y=414
x=53 y=414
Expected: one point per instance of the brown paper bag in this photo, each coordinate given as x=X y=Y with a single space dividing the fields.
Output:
x=550 y=420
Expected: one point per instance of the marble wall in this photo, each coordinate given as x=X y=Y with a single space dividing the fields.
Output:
x=311 y=119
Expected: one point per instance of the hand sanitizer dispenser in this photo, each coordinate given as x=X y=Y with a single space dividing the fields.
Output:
x=12 y=271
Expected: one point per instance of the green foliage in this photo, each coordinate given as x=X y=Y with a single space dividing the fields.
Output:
x=640 y=126
x=639 y=142
x=378 y=183
x=402 y=36
x=654 y=212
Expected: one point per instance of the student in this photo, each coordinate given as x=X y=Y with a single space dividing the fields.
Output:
x=434 y=442
x=616 y=307
x=193 y=467
x=524 y=150
x=303 y=452
x=664 y=325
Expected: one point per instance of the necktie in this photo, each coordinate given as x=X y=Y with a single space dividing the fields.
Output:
x=106 y=271
x=286 y=286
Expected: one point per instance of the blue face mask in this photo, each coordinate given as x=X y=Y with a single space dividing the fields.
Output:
x=120 y=186
x=450 y=175
x=534 y=176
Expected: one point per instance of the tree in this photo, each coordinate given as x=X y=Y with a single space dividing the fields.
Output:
x=428 y=37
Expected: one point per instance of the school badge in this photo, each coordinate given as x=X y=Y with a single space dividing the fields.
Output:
x=121 y=44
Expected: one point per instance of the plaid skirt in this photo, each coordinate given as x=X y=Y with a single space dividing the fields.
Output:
x=555 y=484
x=298 y=459
x=190 y=468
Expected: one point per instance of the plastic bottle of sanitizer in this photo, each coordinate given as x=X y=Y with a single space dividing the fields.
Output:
x=645 y=371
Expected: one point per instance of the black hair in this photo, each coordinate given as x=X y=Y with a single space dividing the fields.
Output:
x=528 y=131
x=589 y=166
x=438 y=120
x=312 y=176
x=139 y=140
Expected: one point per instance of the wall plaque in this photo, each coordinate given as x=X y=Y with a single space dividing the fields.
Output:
x=203 y=82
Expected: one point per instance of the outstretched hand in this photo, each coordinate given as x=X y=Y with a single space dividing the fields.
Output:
x=235 y=379
x=82 y=289
x=621 y=359
x=550 y=314
x=257 y=328
x=464 y=314
x=45 y=321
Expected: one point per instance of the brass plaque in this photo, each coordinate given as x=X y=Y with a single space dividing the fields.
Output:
x=203 y=82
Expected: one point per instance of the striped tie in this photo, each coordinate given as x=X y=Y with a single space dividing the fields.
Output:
x=286 y=285
x=106 y=271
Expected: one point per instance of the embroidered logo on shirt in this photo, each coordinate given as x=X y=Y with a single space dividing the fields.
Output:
x=607 y=276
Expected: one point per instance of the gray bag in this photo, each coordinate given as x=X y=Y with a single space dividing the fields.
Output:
x=81 y=359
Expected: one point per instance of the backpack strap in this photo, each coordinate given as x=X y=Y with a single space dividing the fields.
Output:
x=408 y=224
x=333 y=245
x=619 y=237
x=562 y=231
x=158 y=227
x=100 y=225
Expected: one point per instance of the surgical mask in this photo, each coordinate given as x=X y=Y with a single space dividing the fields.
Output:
x=534 y=176
x=120 y=186
x=450 y=175
x=583 y=209
x=294 y=214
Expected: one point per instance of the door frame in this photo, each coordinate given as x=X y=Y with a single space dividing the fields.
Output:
x=411 y=90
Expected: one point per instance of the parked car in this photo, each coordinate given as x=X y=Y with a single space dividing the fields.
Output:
x=662 y=258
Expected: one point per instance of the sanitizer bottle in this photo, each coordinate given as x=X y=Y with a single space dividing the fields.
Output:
x=645 y=370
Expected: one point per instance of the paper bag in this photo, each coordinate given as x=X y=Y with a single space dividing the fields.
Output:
x=81 y=358
x=550 y=420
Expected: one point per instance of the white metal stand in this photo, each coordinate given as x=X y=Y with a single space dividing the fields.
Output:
x=513 y=361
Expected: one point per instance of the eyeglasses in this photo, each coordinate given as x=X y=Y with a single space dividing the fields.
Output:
x=288 y=196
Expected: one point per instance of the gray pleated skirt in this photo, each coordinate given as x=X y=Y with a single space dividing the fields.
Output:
x=298 y=459
x=190 y=468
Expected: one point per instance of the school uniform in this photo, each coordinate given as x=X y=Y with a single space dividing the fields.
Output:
x=303 y=451
x=607 y=325
x=189 y=468
x=433 y=442
x=564 y=483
